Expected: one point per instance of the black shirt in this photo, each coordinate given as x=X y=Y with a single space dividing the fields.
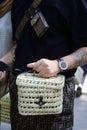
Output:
x=68 y=31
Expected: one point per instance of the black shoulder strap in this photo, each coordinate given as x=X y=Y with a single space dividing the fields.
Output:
x=27 y=17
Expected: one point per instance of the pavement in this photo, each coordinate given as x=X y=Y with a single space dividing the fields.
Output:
x=80 y=111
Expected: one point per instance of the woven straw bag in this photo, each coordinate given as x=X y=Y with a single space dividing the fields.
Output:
x=39 y=96
x=5 y=108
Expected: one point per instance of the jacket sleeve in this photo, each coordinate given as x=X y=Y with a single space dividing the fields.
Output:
x=78 y=23
x=82 y=23
x=74 y=13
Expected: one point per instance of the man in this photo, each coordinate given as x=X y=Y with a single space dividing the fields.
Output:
x=5 y=34
x=61 y=49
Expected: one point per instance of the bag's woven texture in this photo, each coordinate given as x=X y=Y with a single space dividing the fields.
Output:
x=5 y=108
x=39 y=96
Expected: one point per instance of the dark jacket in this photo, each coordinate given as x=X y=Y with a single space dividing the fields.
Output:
x=68 y=31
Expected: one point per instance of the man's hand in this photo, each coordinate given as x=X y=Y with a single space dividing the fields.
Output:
x=4 y=83
x=46 y=68
x=2 y=75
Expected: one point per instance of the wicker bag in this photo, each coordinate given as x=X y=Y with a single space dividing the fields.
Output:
x=39 y=96
x=5 y=108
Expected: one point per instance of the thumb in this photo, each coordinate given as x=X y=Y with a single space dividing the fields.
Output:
x=31 y=65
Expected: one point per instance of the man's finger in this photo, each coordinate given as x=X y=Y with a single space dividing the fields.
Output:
x=31 y=65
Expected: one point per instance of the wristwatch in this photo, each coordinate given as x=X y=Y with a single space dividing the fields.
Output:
x=63 y=65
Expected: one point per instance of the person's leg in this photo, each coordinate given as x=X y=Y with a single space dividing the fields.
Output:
x=79 y=89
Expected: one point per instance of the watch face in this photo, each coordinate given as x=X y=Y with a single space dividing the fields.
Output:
x=63 y=65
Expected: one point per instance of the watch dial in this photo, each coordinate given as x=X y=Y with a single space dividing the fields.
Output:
x=64 y=65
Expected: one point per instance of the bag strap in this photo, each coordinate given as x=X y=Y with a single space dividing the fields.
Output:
x=28 y=14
